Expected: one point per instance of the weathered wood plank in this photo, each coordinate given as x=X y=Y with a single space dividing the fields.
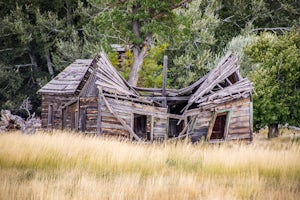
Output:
x=128 y=128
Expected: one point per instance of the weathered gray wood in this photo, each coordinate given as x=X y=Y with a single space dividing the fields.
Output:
x=99 y=116
x=251 y=119
x=68 y=80
x=227 y=124
x=211 y=125
x=164 y=83
x=128 y=128
x=151 y=128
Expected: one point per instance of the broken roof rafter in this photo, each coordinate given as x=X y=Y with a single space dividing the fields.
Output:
x=225 y=68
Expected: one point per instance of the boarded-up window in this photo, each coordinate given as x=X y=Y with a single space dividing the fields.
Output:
x=50 y=115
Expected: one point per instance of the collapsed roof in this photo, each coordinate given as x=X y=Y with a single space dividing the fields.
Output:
x=223 y=83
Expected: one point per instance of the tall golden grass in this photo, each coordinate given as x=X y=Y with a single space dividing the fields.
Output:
x=64 y=165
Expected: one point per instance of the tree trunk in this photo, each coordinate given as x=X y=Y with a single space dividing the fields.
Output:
x=273 y=131
x=138 y=59
x=69 y=11
x=49 y=64
x=33 y=61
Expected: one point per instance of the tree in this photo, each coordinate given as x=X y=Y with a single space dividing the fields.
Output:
x=237 y=45
x=35 y=37
x=276 y=80
x=192 y=52
x=258 y=15
x=137 y=23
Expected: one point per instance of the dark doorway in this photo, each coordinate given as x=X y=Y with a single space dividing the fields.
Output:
x=141 y=126
x=72 y=120
x=218 y=131
x=83 y=119
x=175 y=129
x=64 y=118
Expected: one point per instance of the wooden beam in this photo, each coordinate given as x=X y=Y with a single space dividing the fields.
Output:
x=227 y=123
x=151 y=128
x=228 y=81
x=164 y=83
x=182 y=98
x=131 y=124
x=99 y=115
x=78 y=114
x=251 y=118
x=219 y=86
x=211 y=125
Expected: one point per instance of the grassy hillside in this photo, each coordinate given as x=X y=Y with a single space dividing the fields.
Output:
x=69 y=166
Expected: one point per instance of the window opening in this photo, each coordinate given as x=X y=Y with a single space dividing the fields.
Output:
x=175 y=129
x=50 y=115
x=141 y=126
x=218 y=131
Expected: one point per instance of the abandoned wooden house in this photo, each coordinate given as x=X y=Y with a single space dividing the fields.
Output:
x=90 y=96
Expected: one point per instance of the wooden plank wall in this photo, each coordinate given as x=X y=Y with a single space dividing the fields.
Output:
x=239 y=127
x=125 y=109
x=56 y=101
x=90 y=105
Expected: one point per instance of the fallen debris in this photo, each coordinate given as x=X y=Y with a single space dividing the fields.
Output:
x=14 y=122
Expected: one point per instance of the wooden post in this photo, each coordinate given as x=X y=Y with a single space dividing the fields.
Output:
x=227 y=124
x=251 y=118
x=99 y=116
x=131 y=124
x=77 y=121
x=164 y=84
x=151 y=128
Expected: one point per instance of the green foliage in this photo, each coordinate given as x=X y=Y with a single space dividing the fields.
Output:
x=197 y=34
x=151 y=74
x=276 y=79
x=115 y=21
x=152 y=69
x=237 y=45
x=193 y=51
x=31 y=29
x=237 y=15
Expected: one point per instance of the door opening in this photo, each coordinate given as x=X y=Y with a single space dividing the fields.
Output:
x=218 y=131
x=141 y=126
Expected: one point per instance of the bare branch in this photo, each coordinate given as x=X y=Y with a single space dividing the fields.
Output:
x=7 y=49
x=24 y=65
x=282 y=29
x=26 y=105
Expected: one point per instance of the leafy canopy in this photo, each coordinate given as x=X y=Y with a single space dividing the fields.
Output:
x=276 y=78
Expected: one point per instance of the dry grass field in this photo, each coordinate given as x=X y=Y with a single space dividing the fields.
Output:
x=65 y=165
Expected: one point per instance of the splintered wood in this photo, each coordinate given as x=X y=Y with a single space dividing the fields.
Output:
x=109 y=79
x=91 y=96
x=15 y=122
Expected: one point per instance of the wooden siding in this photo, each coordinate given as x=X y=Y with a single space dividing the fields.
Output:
x=56 y=101
x=239 y=126
x=125 y=110
x=111 y=126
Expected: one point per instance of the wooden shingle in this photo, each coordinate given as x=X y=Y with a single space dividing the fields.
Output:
x=69 y=79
